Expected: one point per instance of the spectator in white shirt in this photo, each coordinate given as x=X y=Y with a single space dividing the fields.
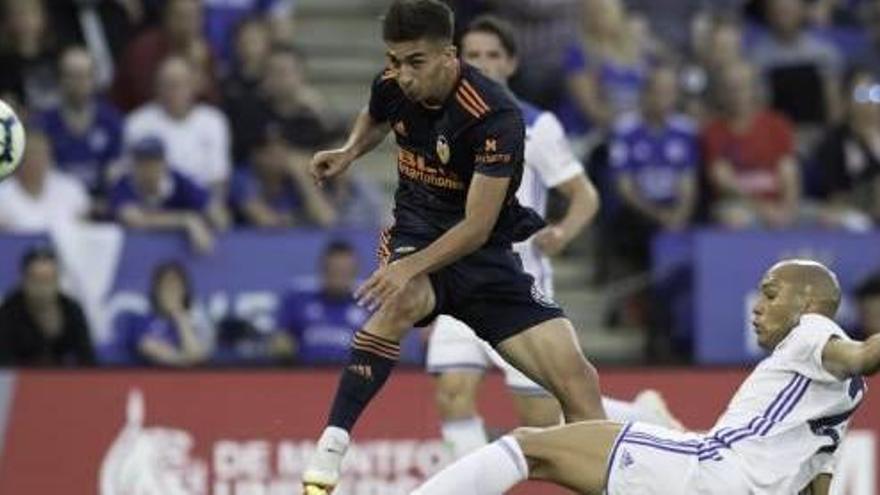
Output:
x=196 y=135
x=39 y=198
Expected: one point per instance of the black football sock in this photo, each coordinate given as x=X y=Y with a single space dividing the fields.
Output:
x=372 y=359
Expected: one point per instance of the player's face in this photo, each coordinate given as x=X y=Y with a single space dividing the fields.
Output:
x=778 y=310
x=485 y=52
x=421 y=68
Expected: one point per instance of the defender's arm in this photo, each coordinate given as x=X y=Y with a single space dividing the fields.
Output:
x=844 y=358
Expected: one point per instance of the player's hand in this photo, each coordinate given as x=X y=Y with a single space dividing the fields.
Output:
x=328 y=164
x=383 y=285
x=551 y=240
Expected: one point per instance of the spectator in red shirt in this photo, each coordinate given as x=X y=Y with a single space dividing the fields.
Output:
x=179 y=34
x=749 y=150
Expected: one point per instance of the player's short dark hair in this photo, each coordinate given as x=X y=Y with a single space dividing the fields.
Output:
x=159 y=272
x=870 y=287
x=412 y=20
x=497 y=27
x=34 y=254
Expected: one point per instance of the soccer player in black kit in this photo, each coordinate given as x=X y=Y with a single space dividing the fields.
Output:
x=461 y=138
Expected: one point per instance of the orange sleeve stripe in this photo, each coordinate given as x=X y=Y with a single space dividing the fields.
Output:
x=466 y=86
x=470 y=99
x=467 y=106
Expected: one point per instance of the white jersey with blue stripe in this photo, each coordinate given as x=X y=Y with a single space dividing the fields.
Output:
x=785 y=423
x=549 y=161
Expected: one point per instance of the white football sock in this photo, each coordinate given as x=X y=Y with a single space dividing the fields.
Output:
x=464 y=436
x=491 y=470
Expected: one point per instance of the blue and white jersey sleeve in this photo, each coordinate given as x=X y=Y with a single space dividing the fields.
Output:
x=801 y=351
x=549 y=153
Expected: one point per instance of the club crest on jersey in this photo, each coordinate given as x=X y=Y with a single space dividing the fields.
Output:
x=543 y=299
x=443 y=149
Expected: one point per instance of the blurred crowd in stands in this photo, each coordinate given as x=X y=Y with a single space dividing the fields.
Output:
x=198 y=116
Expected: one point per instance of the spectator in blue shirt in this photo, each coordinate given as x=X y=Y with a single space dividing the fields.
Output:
x=653 y=162
x=85 y=130
x=154 y=197
x=605 y=72
x=316 y=326
x=170 y=334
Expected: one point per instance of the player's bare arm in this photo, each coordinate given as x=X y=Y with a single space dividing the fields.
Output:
x=484 y=202
x=366 y=134
x=845 y=359
x=583 y=204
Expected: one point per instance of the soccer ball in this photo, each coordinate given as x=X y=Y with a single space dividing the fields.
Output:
x=11 y=140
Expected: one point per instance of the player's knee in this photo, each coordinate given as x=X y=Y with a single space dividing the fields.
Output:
x=577 y=388
x=455 y=397
x=412 y=304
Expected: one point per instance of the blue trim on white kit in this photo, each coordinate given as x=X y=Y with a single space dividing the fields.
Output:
x=613 y=455
x=529 y=391
x=445 y=368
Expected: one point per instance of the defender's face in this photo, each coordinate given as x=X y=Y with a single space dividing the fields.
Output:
x=778 y=310
x=420 y=66
x=485 y=52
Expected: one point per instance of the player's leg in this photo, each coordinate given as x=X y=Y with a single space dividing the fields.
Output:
x=462 y=426
x=575 y=456
x=374 y=352
x=534 y=405
x=537 y=407
x=457 y=359
x=537 y=410
x=550 y=354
